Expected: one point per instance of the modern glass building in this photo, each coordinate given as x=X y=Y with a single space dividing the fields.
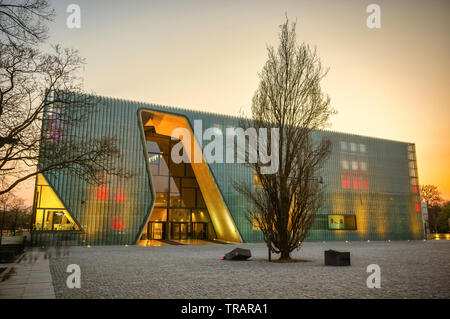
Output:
x=371 y=186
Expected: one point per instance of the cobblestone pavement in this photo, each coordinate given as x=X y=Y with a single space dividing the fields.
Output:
x=408 y=270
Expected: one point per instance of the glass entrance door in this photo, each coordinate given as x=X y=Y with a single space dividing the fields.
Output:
x=199 y=230
x=157 y=230
x=180 y=230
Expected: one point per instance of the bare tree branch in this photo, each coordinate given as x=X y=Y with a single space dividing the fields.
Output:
x=23 y=21
x=42 y=104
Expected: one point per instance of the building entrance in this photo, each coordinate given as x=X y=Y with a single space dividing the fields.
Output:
x=199 y=231
x=157 y=230
x=179 y=211
x=178 y=230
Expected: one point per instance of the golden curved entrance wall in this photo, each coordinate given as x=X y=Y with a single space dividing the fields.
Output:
x=221 y=218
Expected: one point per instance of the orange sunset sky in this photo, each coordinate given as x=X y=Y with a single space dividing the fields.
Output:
x=389 y=83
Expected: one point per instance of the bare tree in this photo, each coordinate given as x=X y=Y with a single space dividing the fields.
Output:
x=289 y=98
x=432 y=197
x=12 y=209
x=42 y=92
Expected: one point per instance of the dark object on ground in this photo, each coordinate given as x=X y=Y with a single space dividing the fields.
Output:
x=8 y=253
x=337 y=258
x=238 y=254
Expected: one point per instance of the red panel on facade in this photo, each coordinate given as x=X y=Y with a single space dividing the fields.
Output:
x=118 y=225
x=119 y=196
x=102 y=193
x=365 y=185
x=345 y=181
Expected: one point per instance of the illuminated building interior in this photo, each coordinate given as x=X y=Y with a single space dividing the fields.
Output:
x=50 y=213
x=344 y=222
x=180 y=210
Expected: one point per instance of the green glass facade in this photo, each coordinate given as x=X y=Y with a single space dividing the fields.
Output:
x=371 y=185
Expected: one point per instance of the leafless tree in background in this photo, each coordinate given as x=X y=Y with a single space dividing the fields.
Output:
x=290 y=98
x=432 y=197
x=33 y=95
x=14 y=214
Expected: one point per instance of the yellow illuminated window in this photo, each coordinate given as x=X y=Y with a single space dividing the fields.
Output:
x=343 y=222
x=50 y=213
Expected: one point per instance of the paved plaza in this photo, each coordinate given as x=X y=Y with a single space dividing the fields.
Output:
x=29 y=278
x=408 y=270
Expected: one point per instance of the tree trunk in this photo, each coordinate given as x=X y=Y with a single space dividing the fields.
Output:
x=15 y=224
x=285 y=255
x=1 y=227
